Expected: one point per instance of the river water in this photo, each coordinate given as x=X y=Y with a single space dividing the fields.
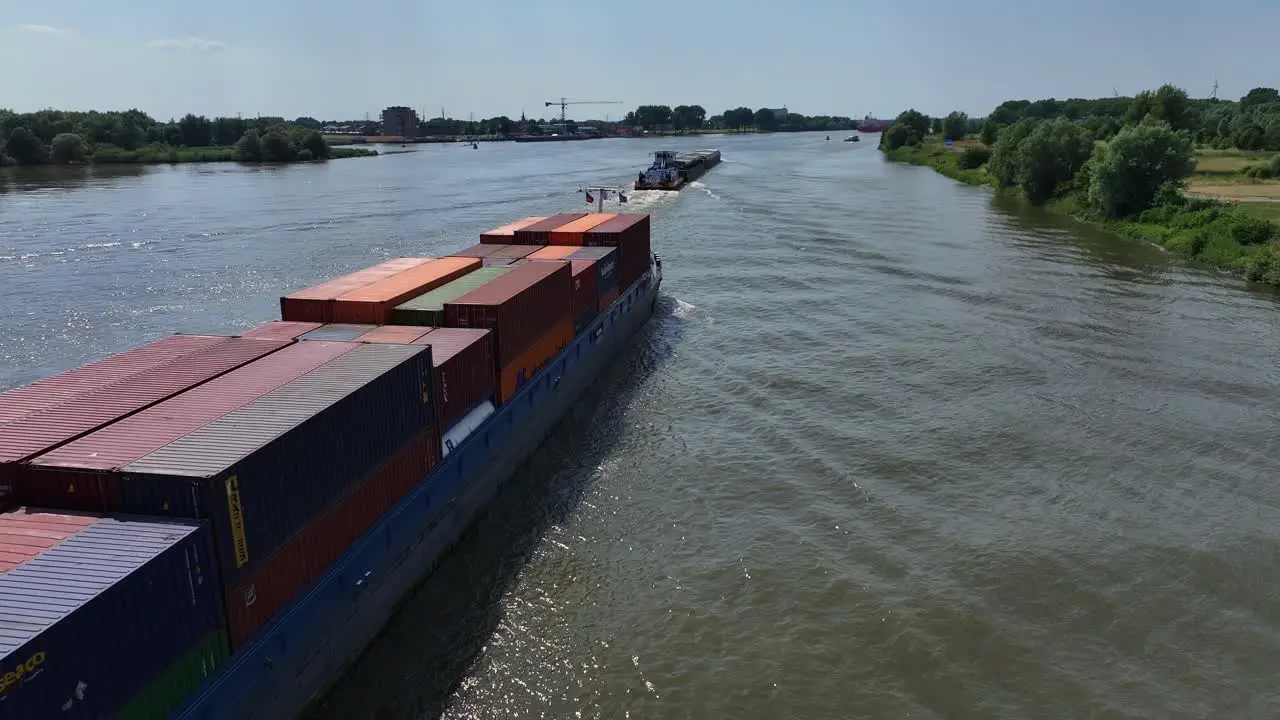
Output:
x=892 y=447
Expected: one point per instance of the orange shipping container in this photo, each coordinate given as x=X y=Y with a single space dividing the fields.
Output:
x=394 y=334
x=505 y=234
x=374 y=303
x=516 y=373
x=572 y=233
x=553 y=252
x=315 y=304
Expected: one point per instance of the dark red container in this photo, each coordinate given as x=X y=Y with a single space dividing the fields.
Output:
x=44 y=430
x=519 y=306
x=479 y=250
x=81 y=475
x=281 y=330
x=465 y=371
x=277 y=580
x=539 y=233
x=50 y=391
x=630 y=235
x=585 y=303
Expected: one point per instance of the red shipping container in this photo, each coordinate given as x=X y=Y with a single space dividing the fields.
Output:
x=374 y=303
x=48 y=392
x=280 y=578
x=585 y=276
x=519 y=307
x=479 y=250
x=44 y=430
x=630 y=235
x=82 y=475
x=394 y=334
x=505 y=234
x=281 y=330
x=572 y=234
x=517 y=372
x=586 y=292
x=465 y=371
x=315 y=304
x=25 y=535
x=539 y=233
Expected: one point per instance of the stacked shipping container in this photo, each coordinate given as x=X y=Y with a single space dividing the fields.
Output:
x=528 y=311
x=315 y=304
x=55 y=424
x=265 y=456
x=374 y=303
x=630 y=235
x=428 y=309
x=99 y=616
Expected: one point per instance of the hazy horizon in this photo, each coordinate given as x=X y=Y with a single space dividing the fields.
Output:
x=291 y=59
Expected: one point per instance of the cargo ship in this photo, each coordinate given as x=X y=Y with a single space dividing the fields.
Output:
x=672 y=171
x=216 y=527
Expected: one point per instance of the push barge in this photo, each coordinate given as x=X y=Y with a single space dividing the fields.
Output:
x=672 y=171
x=216 y=527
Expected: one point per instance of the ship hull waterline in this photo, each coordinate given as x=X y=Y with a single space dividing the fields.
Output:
x=307 y=649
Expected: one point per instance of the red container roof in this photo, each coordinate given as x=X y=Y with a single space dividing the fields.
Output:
x=44 y=430
x=51 y=391
x=618 y=224
x=25 y=534
x=123 y=442
x=281 y=330
x=447 y=342
x=403 y=334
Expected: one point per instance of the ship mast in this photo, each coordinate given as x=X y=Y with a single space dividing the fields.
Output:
x=598 y=195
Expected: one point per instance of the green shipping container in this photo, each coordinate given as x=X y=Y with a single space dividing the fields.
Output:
x=427 y=310
x=165 y=692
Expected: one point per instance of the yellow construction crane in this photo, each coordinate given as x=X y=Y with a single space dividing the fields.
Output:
x=565 y=102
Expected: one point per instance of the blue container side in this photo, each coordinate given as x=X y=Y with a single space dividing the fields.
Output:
x=122 y=599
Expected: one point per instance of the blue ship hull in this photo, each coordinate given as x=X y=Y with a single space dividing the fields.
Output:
x=306 y=649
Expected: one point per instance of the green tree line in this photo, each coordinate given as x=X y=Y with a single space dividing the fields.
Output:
x=56 y=136
x=1124 y=161
x=683 y=118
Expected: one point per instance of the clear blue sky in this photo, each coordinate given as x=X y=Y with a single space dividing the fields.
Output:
x=342 y=60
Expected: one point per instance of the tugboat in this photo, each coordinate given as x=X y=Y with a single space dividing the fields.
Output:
x=853 y=138
x=672 y=171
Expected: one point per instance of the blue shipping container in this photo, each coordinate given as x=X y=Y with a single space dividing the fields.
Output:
x=88 y=622
x=265 y=470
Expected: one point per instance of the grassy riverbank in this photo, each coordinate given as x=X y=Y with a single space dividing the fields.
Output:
x=161 y=154
x=1222 y=218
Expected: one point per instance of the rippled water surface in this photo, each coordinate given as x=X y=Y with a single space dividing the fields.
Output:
x=891 y=448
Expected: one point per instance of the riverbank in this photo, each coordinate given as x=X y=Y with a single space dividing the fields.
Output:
x=172 y=155
x=1223 y=207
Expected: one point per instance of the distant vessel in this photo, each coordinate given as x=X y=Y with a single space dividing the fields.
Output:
x=853 y=138
x=671 y=170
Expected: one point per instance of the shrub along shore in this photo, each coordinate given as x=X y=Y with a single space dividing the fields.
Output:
x=60 y=138
x=1129 y=164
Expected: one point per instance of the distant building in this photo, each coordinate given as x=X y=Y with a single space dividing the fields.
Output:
x=400 y=121
x=779 y=114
